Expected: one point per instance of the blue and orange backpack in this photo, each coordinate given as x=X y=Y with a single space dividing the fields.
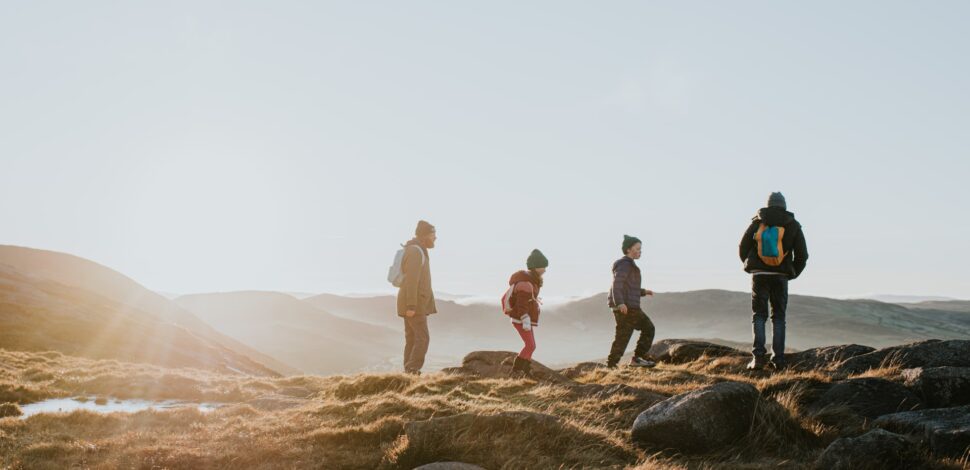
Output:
x=770 y=249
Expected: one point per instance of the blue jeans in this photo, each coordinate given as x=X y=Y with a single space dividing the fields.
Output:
x=769 y=290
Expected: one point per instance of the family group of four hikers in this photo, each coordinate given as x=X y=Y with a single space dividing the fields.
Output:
x=772 y=249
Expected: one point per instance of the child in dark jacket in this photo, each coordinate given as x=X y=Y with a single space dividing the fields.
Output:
x=525 y=308
x=624 y=300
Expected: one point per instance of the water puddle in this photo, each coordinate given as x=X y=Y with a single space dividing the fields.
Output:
x=110 y=405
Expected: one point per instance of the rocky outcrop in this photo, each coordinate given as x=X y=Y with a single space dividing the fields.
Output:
x=929 y=353
x=701 y=420
x=679 y=351
x=940 y=386
x=498 y=365
x=875 y=450
x=581 y=369
x=825 y=357
x=868 y=397
x=946 y=430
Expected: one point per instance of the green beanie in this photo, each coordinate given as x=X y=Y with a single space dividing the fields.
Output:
x=537 y=260
x=629 y=241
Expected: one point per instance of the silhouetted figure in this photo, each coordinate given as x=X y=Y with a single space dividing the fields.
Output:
x=415 y=299
x=521 y=303
x=773 y=250
x=624 y=300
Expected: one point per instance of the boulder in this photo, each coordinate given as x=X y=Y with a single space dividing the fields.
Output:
x=929 y=353
x=940 y=387
x=449 y=466
x=679 y=351
x=498 y=365
x=876 y=450
x=868 y=397
x=947 y=430
x=826 y=357
x=702 y=420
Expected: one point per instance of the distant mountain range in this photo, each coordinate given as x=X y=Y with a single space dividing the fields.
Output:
x=57 y=301
x=296 y=332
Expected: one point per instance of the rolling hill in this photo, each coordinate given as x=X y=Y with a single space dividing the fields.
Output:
x=56 y=301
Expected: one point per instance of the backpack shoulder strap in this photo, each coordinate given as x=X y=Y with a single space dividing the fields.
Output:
x=421 y=253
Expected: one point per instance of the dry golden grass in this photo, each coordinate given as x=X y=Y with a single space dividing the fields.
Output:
x=360 y=421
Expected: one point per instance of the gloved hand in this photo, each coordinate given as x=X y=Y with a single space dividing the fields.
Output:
x=526 y=323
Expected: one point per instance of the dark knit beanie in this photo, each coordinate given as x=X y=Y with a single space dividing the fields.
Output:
x=537 y=260
x=777 y=200
x=423 y=229
x=628 y=242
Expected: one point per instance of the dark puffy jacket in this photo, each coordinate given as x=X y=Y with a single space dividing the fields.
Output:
x=525 y=300
x=626 y=284
x=793 y=243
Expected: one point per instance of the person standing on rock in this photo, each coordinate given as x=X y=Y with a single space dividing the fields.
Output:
x=624 y=300
x=415 y=299
x=521 y=304
x=774 y=252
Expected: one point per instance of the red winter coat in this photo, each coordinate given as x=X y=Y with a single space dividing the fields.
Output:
x=525 y=298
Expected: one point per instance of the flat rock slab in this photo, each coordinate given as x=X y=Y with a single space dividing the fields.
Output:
x=877 y=449
x=940 y=387
x=498 y=365
x=680 y=351
x=868 y=397
x=929 y=353
x=702 y=420
x=947 y=430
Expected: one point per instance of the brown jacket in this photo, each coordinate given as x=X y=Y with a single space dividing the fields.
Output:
x=416 y=290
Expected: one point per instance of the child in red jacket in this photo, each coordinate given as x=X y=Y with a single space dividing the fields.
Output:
x=524 y=312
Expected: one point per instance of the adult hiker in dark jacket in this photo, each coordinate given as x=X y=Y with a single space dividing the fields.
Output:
x=415 y=299
x=773 y=250
x=624 y=300
x=524 y=312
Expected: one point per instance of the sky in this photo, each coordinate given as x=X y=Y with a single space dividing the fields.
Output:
x=202 y=146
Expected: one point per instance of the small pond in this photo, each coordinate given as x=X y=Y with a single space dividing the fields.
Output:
x=111 y=405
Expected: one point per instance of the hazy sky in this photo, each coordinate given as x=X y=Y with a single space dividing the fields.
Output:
x=202 y=146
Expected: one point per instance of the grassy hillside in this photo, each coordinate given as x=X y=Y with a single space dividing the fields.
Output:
x=97 y=302
x=365 y=421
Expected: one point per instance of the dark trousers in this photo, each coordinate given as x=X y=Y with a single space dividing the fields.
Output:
x=416 y=339
x=769 y=290
x=634 y=319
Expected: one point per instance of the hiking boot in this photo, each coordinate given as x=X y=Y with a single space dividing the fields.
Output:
x=757 y=363
x=413 y=372
x=637 y=361
x=521 y=367
x=777 y=365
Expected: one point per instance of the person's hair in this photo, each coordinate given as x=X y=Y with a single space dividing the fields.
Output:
x=536 y=277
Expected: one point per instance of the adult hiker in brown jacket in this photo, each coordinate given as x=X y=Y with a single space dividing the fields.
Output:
x=415 y=299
